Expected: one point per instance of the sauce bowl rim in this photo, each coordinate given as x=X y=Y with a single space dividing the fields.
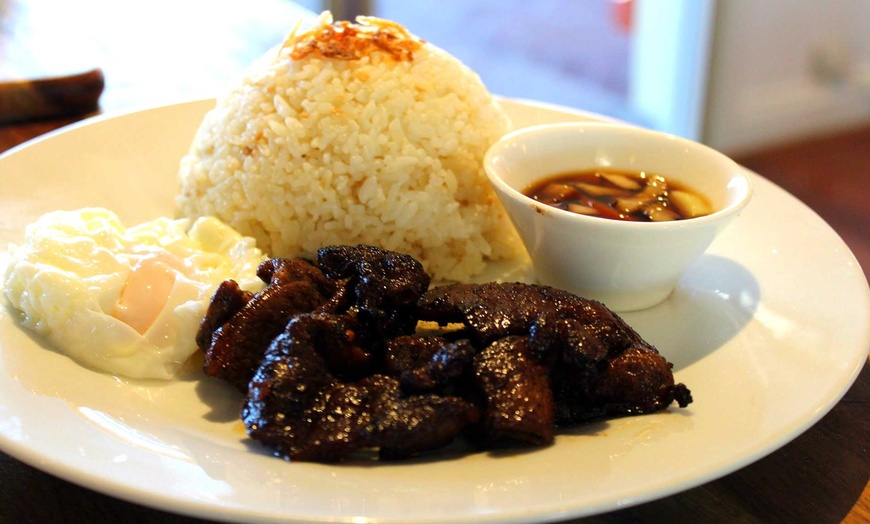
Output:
x=739 y=174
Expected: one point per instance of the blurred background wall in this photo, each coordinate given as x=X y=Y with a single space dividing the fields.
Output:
x=783 y=70
x=737 y=74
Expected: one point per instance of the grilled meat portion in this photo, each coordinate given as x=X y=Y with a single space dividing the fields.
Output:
x=516 y=388
x=494 y=310
x=330 y=360
x=298 y=407
x=238 y=344
x=226 y=301
x=638 y=381
x=384 y=287
x=427 y=363
x=599 y=366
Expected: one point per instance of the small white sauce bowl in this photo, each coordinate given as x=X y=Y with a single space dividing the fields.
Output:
x=626 y=265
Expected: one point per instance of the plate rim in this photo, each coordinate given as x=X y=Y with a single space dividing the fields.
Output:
x=192 y=508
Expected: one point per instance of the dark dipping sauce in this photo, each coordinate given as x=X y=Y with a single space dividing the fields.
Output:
x=620 y=195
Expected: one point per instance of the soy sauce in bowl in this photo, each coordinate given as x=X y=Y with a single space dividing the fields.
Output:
x=624 y=264
x=620 y=195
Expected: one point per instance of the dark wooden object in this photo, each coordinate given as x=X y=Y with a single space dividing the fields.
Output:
x=51 y=97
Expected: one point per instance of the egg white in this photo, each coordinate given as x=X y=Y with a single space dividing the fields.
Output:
x=126 y=301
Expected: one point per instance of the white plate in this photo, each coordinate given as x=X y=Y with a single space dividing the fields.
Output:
x=768 y=329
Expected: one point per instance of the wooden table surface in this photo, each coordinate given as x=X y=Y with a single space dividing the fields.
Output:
x=169 y=51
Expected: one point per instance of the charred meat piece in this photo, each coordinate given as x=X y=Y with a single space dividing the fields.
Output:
x=283 y=271
x=420 y=423
x=516 y=389
x=427 y=363
x=599 y=365
x=333 y=337
x=638 y=381
x=291 y=384
x=582 y=332
x=372 y=413
x=488 y=311
x=237 y=346
x=384 y=286
x=495 y=310
x=574 y=398
x=410 y=352
x=297 y=407
x=226 y=301
x=382 y=278
x=560 y=340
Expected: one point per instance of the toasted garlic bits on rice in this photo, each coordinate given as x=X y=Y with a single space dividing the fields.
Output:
x=348 y=41
x=355 y=133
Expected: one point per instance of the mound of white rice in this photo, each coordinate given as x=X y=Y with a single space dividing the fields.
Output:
x=355 y=133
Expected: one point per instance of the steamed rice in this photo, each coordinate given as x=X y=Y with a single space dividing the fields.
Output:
x=384 y=147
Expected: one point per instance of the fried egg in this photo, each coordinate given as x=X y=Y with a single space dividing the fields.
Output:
x=127 y=301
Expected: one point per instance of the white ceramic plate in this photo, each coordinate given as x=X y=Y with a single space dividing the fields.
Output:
x=768 y=329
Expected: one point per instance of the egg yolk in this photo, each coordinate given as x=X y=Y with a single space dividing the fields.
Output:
x=146 y=291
